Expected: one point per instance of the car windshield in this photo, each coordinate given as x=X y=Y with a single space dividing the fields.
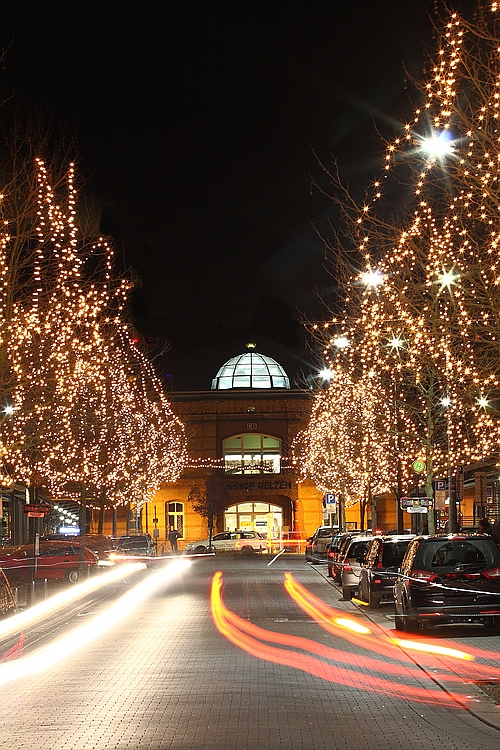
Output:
x=450 y=553
x=393 y=553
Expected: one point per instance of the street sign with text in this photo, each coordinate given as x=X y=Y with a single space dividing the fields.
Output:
x=41 y=510
x=416 y=502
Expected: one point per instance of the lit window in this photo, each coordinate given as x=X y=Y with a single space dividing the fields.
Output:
x=174 y=513
x=252 y=454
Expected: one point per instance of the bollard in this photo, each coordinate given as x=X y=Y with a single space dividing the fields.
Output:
x=45 y=588
x=33 y=593
x=15 y=591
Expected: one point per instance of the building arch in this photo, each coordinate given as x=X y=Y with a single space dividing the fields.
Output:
x=271 y=514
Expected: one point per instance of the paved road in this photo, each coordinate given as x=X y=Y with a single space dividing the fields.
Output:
x=166 y=678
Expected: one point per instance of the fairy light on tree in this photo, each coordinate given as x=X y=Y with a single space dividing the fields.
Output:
x=350 y=447
x=430 y=331
x=89 y=409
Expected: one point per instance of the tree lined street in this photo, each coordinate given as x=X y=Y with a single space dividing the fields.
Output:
x=166 y=678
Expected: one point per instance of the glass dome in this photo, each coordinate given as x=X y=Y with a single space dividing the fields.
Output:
x=251 y=370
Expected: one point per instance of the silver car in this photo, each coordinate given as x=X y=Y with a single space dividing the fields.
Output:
x=352 y=562
x=243 y=542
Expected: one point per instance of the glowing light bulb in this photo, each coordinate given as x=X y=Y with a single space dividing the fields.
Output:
x=438 y=145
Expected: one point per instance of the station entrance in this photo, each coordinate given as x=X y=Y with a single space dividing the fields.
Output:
x=265 y=518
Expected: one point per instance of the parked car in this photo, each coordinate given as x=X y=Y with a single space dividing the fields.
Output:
x=316 y=544
x=378 y=575
x=445 y=579
x=243 y=542
x=101 y=544
x=336 y=548
x=351 y=563
x=136 y=545
x=7 y=600
x=12 y=645
x=57 y=559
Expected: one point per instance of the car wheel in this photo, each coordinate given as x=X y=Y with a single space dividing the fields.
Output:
x=493 y=625
x=330 y=572
x=346 y=593
x=247 y=550
x=200 y=550
x=372 y=599
x=72 y=576
x=410 y=624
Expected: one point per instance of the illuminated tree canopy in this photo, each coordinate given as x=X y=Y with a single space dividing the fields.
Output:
x=421 y=311
x=85 y=406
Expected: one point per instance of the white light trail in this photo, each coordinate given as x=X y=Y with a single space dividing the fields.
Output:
x=68 y=644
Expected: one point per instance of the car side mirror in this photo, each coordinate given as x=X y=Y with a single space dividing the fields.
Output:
x=393 y=569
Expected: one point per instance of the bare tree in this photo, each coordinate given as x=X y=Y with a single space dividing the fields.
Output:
x=211 y=499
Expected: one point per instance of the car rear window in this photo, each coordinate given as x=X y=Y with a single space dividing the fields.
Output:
x=393 y=553
x=324 y=533
x=357 y=549
x=133 y=542
x=440 y=555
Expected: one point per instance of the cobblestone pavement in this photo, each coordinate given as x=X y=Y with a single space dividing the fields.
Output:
x=166 y=679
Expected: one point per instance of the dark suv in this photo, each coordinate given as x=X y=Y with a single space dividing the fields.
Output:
x=136 y=545
x=316 y=545
x=453 y=578
x=379 y=573
x=336 y=549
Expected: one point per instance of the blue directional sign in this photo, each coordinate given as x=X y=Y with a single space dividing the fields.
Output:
x=439 y=484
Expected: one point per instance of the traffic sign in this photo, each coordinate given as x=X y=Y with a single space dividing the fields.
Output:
x=416 y=502
x=42 y=508
x=417 y=510
x=418 y=467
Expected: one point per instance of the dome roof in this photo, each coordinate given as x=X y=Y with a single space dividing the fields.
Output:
x=251 y=370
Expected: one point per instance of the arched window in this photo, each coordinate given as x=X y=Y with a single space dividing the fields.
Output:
x=174 y=517
x=252 y=454
x=264 y=518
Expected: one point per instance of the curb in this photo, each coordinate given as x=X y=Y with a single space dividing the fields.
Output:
x=486 y=710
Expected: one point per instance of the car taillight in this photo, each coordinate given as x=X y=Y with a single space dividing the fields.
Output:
x=377 y=580
x=423 y=575
x=492 y=573
x=379 y=565
x=347 y=567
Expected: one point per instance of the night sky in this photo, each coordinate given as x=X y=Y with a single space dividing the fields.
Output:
x=197 y=124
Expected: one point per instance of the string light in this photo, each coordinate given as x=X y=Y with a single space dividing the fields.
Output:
x=88 y=407
x=430 y=336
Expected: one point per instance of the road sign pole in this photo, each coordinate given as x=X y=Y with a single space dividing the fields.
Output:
x=452 y=508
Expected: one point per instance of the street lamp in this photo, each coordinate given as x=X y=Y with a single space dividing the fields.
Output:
x=341 y=342
x=372 y=278
x=438 y=145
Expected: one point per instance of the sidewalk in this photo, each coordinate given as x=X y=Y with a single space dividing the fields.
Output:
x=483 y=704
